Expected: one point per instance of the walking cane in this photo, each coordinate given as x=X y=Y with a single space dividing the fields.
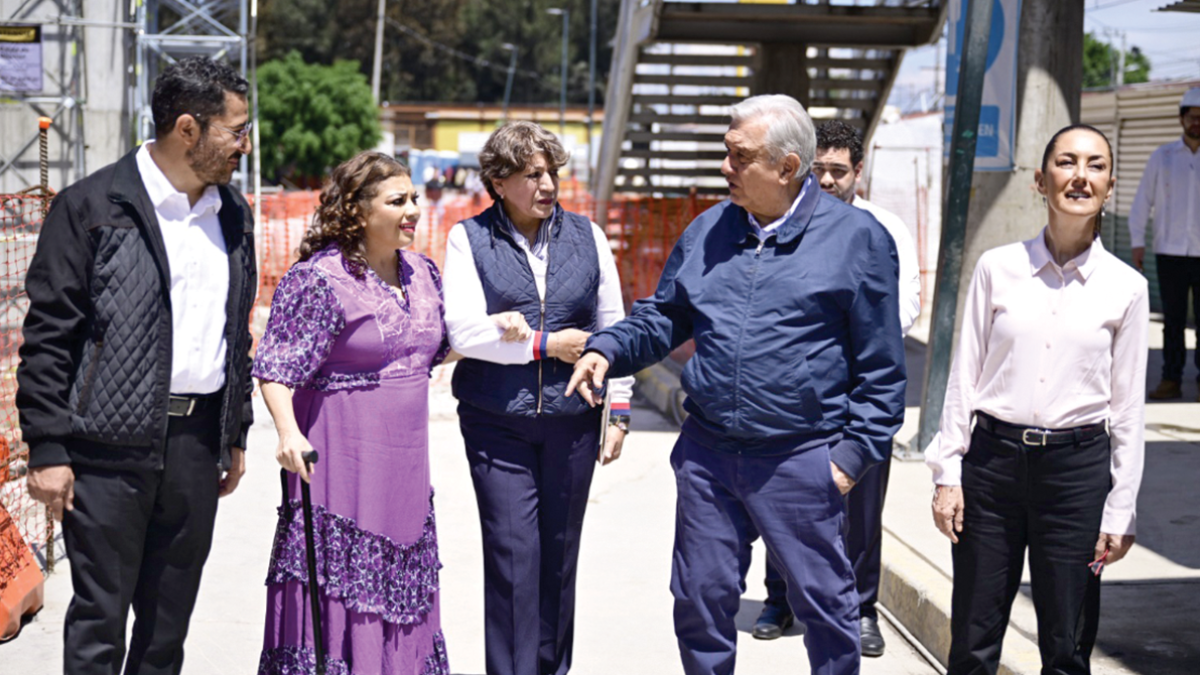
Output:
x=310 y=550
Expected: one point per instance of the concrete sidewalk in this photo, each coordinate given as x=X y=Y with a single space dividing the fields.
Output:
x=624 y=623
x=1148 y=621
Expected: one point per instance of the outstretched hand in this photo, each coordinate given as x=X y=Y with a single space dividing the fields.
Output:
x=588 y=378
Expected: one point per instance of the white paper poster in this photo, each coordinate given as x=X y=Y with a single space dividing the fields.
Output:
x=20 y=58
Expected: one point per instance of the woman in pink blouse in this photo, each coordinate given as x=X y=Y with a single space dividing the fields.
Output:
x=1051 y=367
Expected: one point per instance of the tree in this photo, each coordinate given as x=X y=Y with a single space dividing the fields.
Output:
x=418 y=64
x=313 y=117
x=1100 y=63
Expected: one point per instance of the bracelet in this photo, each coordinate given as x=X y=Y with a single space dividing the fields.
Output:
x=619 y=421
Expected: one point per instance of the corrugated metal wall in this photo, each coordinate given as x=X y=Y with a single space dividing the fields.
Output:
x=1137 y=119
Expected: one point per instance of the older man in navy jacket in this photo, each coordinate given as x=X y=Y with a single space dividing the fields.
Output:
x=795 y=390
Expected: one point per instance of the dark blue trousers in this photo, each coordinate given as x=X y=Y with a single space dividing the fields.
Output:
x=532 y=476
x=864 y=542
x=727 y=501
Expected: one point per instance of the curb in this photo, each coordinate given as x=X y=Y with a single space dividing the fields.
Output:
x=918 y=594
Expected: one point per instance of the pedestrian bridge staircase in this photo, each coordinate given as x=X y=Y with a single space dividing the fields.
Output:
x=679 y=66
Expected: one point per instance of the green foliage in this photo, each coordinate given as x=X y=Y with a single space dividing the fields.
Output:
x=1100 y=63
x=313 y=117
x=415 y=70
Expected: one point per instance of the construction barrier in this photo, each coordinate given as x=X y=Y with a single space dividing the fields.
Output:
x=26 y=530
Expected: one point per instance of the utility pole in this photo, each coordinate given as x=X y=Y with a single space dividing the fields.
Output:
x=1121 y=62
x=1002 y=208
x=591 y=120
x=512 y=68
x=376 y=68
x=562 y=100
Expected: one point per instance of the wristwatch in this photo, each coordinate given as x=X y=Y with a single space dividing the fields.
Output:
x=619 y=421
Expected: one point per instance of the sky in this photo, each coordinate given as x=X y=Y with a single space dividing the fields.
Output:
x=1171 y=40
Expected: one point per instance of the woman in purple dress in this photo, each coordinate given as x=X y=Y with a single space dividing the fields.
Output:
x=356 y=325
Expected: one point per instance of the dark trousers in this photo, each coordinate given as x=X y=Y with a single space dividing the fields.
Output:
x=532 y=476
x=864 y=542
x=1176 y=276
x=140 y=538
x=1050 y=500
x=725 y=502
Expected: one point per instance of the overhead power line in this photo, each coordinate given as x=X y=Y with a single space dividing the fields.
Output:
x=461 y=55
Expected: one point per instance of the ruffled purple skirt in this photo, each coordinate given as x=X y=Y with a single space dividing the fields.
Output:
x=377 y=562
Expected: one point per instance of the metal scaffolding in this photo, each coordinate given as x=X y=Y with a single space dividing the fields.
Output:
x=64 y=93
x=160 y=32
x=176 y=29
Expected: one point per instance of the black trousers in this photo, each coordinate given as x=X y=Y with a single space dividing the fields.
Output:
x=140 y=538
x=864 y=542
x=1176 y=276
x=532 y=476
x=1049 y=500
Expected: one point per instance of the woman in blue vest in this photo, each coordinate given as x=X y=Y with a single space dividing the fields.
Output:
x=550 y=276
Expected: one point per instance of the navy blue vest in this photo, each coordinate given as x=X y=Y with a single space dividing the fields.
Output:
x=572 y=286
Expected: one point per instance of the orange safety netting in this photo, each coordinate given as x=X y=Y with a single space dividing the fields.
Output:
x=20 y=222
x=642 y=232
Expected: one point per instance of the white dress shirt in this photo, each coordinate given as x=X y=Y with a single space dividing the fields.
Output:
x=1052 y=348
x=199 y=266
x=910 y=268
x=473 y=334
x=1170 y=188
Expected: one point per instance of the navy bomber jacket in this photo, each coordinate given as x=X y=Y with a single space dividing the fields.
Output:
x=798 y=338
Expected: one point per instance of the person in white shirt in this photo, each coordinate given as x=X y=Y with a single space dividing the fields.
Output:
x=838 y=166
x=134 y=385
x=1170 y=188
x=526 y=283
x=1049 y=366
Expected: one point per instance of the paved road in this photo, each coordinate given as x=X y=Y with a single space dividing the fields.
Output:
x=624 y=606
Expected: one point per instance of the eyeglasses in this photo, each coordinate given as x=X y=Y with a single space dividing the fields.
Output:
x=239 y=137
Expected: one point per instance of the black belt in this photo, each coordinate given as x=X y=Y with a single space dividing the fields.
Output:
x=1035 y=437
x=185 y=405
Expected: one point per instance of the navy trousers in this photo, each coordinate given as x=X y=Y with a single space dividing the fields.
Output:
x=864 y=542
x=531 y=476
x=727 y=501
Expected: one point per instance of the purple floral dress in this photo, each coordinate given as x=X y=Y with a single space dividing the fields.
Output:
x=357 y=356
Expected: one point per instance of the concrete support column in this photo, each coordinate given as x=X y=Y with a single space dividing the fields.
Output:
x=782 y=68
x=1006 y=207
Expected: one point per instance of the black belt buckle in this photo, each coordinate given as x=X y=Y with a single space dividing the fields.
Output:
x=1039 y=437
x=180 y=406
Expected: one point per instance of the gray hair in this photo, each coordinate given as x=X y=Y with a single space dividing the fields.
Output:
x=789 y=128
x=512 y=147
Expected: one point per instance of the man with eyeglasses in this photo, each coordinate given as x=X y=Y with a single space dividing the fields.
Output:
x=1170 y=188
x=134 y=381
x=838 y=167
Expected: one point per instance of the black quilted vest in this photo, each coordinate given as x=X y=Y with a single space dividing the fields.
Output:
x=572 y=285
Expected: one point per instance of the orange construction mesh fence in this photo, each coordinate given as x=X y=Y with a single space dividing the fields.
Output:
x=20 y=222
x=641 y=231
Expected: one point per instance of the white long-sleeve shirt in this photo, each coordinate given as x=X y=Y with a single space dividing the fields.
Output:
x=473 y=334
x=1170 y=188
x=910 y=268
x=199 y=263
x=1052 y=348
